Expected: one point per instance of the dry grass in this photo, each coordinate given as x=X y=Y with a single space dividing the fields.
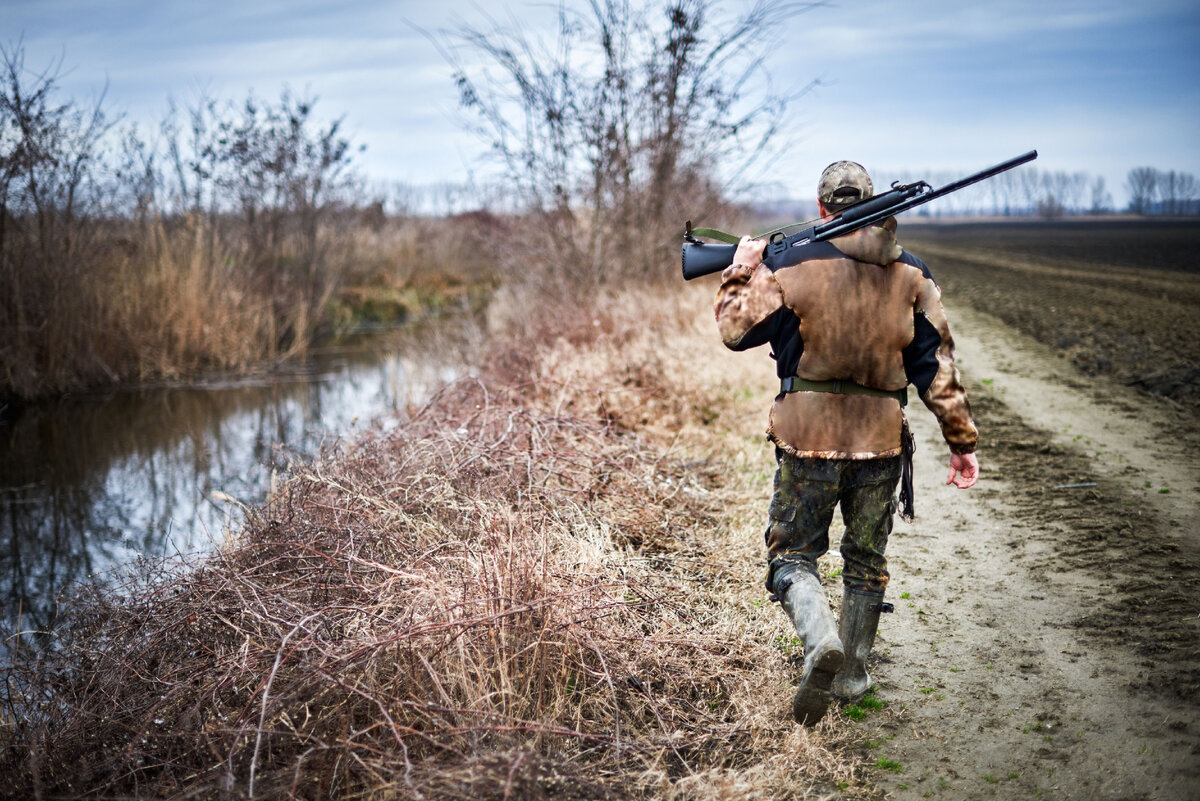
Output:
x=181 y=298
x=150 y=301
x=543 y=584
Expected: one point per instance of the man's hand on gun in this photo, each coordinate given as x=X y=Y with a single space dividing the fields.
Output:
x=748 y=256
x=964 y=470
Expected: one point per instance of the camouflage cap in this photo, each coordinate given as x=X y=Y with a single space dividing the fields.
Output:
x=842 y=184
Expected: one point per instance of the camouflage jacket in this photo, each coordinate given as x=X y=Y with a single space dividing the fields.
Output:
x=856 y=308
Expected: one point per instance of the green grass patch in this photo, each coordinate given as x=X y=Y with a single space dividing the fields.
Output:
x=868 y=703
x=871 y=701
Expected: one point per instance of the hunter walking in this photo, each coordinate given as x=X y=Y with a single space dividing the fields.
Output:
x=851 y=323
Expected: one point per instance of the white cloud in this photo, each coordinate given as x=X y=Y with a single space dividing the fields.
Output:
x=939 y=85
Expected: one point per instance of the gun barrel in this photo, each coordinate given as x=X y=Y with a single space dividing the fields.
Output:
x=703 y=259
x=845 y=224
x=982 y=175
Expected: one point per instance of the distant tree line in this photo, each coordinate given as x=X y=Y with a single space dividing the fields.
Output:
x=1154 y=191
x=1028 y=191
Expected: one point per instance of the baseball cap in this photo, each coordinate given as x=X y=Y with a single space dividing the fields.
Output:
x=844 y=183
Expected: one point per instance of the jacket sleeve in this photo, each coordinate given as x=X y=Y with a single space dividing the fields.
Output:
x=746 y=306
x=929 y=363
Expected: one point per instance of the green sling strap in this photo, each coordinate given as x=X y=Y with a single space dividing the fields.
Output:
x=713 y=233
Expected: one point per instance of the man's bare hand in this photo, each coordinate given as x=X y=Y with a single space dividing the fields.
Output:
x=749 y=252
x=964 y=470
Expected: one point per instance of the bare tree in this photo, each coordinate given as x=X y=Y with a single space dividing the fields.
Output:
x=1142 y=183
x=1062 y=193
x=1174 y=190
x=1168 y=191
x=1074 y=190
x=48 y=200
x=611 y=134
x=1188 y=193
x=1003 y=189
x=48 y=148
x=1101 y=200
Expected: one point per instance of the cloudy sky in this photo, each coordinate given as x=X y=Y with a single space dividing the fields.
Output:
x=927 y=85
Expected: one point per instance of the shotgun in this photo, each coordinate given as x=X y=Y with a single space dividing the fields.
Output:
x=701 y=258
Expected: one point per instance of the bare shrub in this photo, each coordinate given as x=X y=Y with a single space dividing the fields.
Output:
x=512 y=595
x=217 y=245
x=611 y=134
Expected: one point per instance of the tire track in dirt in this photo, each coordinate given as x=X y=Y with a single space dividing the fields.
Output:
x=1046 y=641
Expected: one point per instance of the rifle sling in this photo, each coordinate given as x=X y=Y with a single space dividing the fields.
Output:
x=730 y=239
x=713 y=233
x=796 y=384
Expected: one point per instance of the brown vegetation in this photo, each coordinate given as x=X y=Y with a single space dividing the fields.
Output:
x=523 y=591
x=513 y=595
x=231 y=241
x=170 y=299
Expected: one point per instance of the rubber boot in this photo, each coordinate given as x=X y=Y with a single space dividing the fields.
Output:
x=860 y=621
x=804 y=601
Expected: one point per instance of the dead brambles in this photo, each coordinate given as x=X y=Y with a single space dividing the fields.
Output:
x=452 y=609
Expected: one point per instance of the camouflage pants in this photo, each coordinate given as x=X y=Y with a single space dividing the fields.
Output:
x=806 y=490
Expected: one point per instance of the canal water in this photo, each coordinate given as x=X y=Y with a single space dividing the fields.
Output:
x=89 y=484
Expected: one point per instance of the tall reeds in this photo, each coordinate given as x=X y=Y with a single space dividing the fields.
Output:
x=223 y=243
x=151 y=301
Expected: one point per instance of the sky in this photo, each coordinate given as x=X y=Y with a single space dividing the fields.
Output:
x=912 y=87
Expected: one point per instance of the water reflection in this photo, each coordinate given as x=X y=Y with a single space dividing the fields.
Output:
x=89 y=484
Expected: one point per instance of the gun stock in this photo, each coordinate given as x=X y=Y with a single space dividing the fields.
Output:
x=700 y=258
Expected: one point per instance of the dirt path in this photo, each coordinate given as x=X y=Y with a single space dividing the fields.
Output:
x=1045 y=640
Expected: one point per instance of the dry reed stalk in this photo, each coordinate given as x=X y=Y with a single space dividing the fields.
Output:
x=172 y=298
x=515 y=594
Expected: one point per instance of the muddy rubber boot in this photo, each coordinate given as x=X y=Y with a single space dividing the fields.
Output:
x=860 y=620
x=804 y=602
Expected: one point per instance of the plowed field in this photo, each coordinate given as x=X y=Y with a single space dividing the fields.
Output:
x=1119 y=299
